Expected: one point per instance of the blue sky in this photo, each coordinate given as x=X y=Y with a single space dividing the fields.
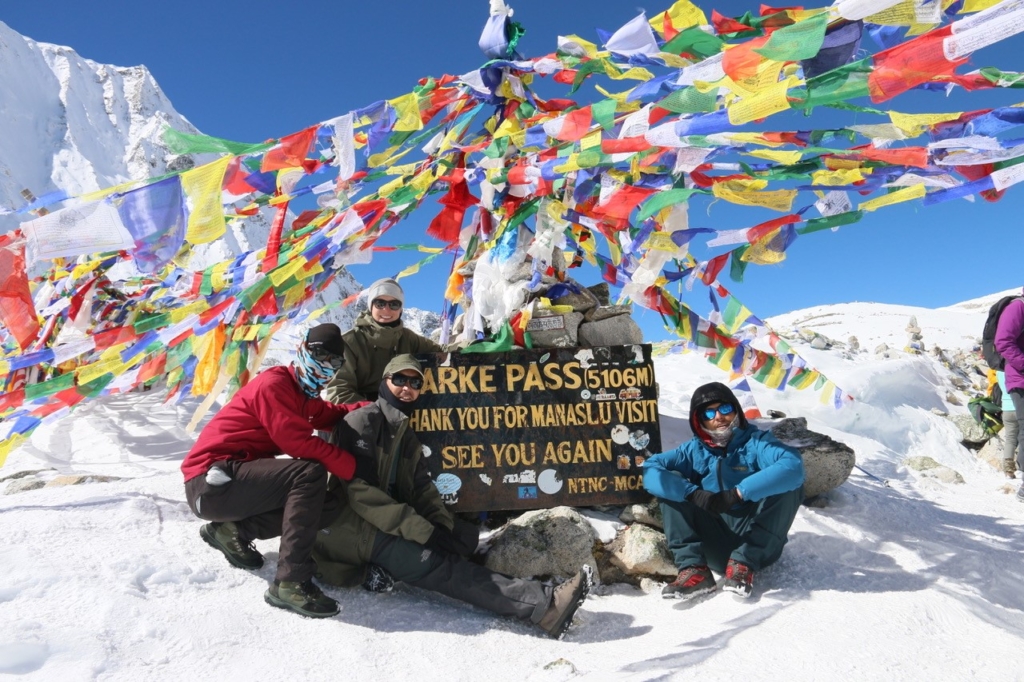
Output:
x=255 y=70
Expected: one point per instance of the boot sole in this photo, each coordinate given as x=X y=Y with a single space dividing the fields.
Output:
x=281 y=604
x=562 y=626
x=738 y=591
x=690 y=596
x=209 y=539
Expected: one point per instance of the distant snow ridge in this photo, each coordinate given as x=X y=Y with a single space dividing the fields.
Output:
x=77 y=125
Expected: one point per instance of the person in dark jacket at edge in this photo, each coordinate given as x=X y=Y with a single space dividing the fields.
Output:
x=377 y=336
x=234 y=481
x=395 y=526
x=728 y=496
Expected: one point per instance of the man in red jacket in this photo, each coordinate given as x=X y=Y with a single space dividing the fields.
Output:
x=234 y=480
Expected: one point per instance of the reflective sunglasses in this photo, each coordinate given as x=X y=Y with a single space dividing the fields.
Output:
x=724 y=409
x=399 y=380
x=325 y=357
x=381 y=304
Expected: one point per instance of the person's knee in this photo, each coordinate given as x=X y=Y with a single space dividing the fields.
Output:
x=313 y=473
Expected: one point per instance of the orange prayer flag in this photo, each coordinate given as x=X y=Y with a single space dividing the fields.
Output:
x=291 y=152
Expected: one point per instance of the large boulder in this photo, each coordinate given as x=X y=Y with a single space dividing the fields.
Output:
x=555 y=331
x=827 y=463
x=971 y=432
x=619 y=330
x=545 y=542
x=929 y=468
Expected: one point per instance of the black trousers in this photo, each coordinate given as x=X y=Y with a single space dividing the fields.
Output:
x=453 y=576
x=269 y=498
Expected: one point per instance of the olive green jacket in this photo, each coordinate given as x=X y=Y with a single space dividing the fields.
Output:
x=369 y=347
x=406 y=504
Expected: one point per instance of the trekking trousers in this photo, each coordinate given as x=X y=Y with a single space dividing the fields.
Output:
x=752 y=533
x=269 y=498
x=455 y=577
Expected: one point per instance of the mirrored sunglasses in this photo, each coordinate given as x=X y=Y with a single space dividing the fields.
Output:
x=381 y=304
x=724 y=409
x=399 y=380
x=325 y=357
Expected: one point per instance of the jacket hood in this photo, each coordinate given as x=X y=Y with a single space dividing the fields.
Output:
x=369 y=324
x=715 y=392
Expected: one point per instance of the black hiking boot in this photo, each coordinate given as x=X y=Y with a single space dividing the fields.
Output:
x=692 y=582
x=565 y=600
x=224 y=537
x=739 y=579
x=303 y=598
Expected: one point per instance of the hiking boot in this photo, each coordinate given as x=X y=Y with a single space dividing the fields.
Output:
x=739 y=579
x=224 y=537
x=378 y=580
x=303 y=598
x=565 y=600
x=1010 y=468
x=1020 y=493
x=692 y=581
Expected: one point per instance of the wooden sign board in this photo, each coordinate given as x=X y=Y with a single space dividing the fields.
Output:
x=535 y=429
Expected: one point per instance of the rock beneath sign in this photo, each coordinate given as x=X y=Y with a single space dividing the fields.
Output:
x=620 y=330
x=545 y=542
x=641 y=552
x=582 y=302
x=648 y=514
x=827 y=463
x=555 y=331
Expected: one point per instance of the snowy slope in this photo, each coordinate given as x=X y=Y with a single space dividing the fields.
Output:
x=913 y=580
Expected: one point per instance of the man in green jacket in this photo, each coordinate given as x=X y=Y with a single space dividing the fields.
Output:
x=397 y=527
x=377 y=336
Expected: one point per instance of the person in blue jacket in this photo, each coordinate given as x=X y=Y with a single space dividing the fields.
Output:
x=728 y=497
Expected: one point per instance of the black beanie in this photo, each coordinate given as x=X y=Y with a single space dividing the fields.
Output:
x=327 y=337
x=715 y=392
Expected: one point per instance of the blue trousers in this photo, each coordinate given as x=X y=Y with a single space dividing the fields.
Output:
x=752 y=533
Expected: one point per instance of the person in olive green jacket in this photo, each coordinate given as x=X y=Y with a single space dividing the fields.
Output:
x=377 y=336
x=396 y=527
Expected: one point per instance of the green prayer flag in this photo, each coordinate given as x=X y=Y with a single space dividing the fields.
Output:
x=660 y=200
x=792 y=43
x=186 y=143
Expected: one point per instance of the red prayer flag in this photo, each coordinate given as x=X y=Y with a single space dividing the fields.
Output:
x=291 y=152
x=17 y=312
x=575 y=125
x=910 y=64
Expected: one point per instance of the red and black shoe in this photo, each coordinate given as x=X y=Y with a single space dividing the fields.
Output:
x=692 y=581
x=739 y=579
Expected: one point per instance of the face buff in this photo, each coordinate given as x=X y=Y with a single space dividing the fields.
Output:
x=720 y=437
x=311 y=374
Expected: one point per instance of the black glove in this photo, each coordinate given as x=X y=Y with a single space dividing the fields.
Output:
x=442 y=540
x=702 y=498
x=366 y=469
x=725 y=500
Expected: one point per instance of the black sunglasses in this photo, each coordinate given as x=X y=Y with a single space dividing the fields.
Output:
x=400 y=380
x=381 y=304
x=325 y=357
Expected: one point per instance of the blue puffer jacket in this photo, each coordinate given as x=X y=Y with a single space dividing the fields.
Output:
x=754 y=462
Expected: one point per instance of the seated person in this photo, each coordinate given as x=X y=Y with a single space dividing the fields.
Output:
x=394 y=525
x=234 y=480
x=728 y=496
x=375 y=338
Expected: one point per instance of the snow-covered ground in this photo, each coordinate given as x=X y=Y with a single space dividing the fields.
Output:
x=915 y=579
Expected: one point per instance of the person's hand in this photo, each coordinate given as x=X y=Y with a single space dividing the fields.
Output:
x=702 y=498
x=725 y=500
x=366 y=469
x=442 y=540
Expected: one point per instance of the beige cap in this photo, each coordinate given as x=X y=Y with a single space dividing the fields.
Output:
x=403 y=362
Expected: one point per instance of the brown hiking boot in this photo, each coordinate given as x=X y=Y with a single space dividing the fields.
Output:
x=565 y=600
x=224 y=537
x=303 y=598
x=1010 y=468
x=692 y=582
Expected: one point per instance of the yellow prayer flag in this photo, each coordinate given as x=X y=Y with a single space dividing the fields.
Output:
x=194 y=308
x=279 y=275
x=104 y=193
x=10 y=444
x=778 y=200
x=202 y=186
x=977 y=5
x=588 y=47
x=293 y=296
x=207 y=348
x=785 y=158
x=621 y=104
x=591 y=140
x=683 y=14
x=901 y=14
x=913 y=125
x=825 y=397
x=661 y=241
x=906 y=194
x=408 y=109
x=836 y=178
x=768 y=101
